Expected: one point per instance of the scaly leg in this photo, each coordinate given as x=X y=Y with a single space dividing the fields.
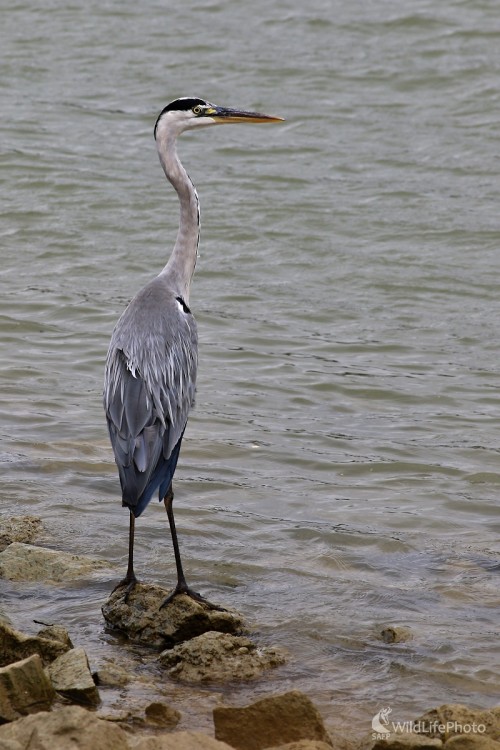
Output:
x=182 y=587
x=130 y=580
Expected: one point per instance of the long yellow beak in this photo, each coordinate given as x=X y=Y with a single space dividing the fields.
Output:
x=223 y=115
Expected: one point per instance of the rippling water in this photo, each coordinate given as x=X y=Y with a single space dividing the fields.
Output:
x=340 y=471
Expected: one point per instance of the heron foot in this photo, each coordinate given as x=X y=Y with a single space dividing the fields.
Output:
x=128 y=583
x=184 y=589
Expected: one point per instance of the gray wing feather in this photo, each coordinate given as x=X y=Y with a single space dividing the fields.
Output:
x=150 y=384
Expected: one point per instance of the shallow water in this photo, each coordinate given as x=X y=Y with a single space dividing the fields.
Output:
x=340 y=471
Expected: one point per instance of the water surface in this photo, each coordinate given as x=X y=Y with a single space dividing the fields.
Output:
x=340 y=471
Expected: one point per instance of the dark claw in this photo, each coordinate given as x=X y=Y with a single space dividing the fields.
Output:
x=183 y=589
x=129 y=584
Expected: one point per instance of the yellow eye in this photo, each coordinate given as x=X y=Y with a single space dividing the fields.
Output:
x=197 y=110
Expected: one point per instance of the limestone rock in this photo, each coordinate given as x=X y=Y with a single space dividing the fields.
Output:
x=142 y=620
x=162 y=715
x=18 y=529
x=26 y=562
x=111 y=675
x=396 y=634
x=270 y=722
x=70 y=675
x=408 y=741
x=24 y=689
x=181 y=741
x=450 y=719
x=219 y=657
x=472 y=742
x=68 y=728
x=56 y=633
x=15 y=646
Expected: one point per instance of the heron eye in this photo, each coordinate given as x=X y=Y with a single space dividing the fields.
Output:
x=197 y=110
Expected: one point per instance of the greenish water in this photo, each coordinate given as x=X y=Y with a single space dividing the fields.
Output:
x=340 y=471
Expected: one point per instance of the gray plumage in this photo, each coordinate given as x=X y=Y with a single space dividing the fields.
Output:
x=150 y=377
x=149 y=386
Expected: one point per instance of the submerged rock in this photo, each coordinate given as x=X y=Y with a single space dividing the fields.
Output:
x=270 y=722
x=219 y=657
x=18 y=529
x=15 y=645
x=142 y=619
x=26 y=562
x=71 y=677
x=162 y=715
x=396 y=634
x=112 y=675
x=24 y=689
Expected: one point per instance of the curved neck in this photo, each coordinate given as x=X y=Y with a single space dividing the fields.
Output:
x=180 y=267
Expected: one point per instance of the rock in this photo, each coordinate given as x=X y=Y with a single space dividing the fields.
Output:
x=26 y=562
x=68 y=728
x=56 y=633
x=454 y=719
x=396 y=634
x=472 y=742
x=219 y=657
x=142 y=620
x=71 y=677
x=5 y=619
x=18 y=529
x=111 y=676
x=407 y=741
x=162 y=715
x=181 y=741
x=24 y=689
x=304 y=745
x=15 y=645
x=270 y=722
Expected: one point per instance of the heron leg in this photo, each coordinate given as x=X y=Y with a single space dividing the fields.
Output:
x=130 y=580
x=182 y=587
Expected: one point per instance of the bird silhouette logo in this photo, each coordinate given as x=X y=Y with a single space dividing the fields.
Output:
x=380 y=721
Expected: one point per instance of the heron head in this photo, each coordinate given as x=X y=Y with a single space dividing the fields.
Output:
x=191 y=112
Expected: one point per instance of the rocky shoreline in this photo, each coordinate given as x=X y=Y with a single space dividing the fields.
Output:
x=50 y=698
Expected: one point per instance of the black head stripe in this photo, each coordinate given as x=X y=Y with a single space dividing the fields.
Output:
x=180 y=105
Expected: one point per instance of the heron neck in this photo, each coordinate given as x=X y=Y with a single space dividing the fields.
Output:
x=181 y=264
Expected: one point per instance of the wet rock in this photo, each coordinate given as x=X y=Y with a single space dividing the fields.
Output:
x=26 y=562
x=70 y=675
x=454 y=719
x=142 y=620
x=270 y=722
x=69 y=728
x=4 y=619
x=181 y=741
x=472 y=742
x=111 y=675
x=409 y=741
x=18 y=529
x=162 y=715
x=15 y=645
x=219 y=657
x=56 y=633
x=396 y=634
x=24 y=689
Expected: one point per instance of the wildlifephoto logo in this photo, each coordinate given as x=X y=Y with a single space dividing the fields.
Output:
x=380 y=723
x=383 y=727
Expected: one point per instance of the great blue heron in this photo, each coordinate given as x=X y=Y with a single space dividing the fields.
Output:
x=150 y=377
